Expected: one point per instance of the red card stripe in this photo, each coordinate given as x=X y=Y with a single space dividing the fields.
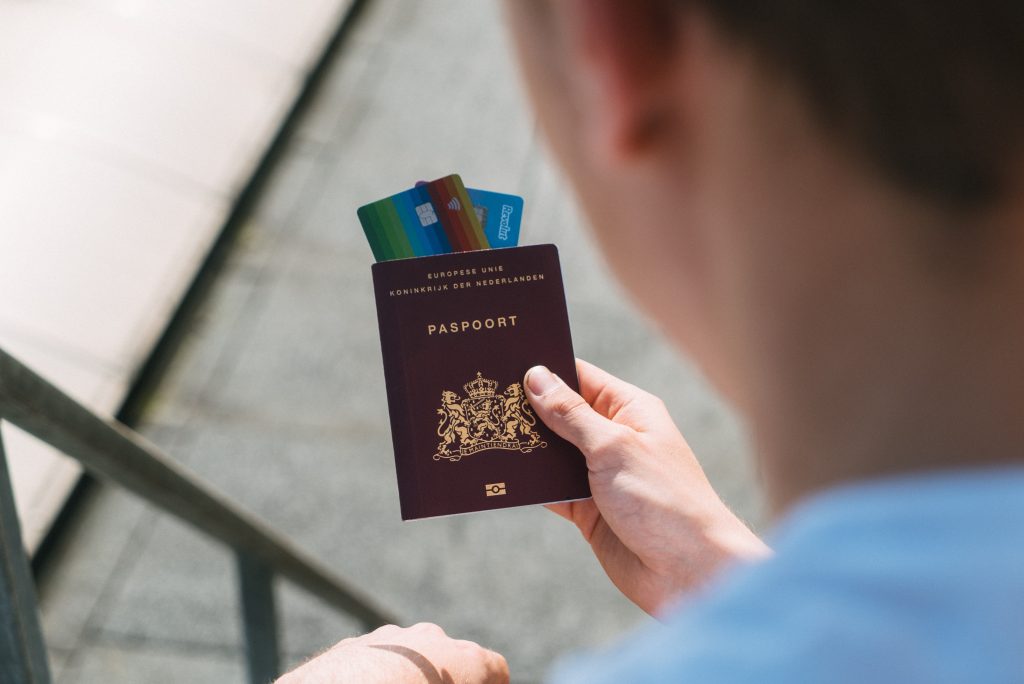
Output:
x=462 y=215
x=440 y=195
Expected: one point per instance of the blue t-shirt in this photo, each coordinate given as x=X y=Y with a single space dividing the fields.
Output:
x=915 y=579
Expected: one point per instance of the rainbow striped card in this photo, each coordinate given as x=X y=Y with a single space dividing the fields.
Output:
x=434 y=218
x=500 y=215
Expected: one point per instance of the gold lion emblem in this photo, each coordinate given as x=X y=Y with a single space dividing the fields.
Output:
x=485 y=420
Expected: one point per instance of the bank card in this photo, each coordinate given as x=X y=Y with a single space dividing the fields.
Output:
x=500 y=215
x=433 y=218
x=507 y=211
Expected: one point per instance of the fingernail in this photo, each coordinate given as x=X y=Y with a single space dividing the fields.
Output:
x=540 y=380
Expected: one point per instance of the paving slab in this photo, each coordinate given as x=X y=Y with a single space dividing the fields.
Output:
x=103 y=664
x=73 y=584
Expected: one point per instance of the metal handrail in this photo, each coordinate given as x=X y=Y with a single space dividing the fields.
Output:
x=116 y=453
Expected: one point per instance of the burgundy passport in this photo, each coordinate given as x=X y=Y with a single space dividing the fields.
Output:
x=457 y=333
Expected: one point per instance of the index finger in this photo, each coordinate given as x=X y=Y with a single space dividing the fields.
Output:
x=497 y=668
x=598 y=385
x=617 y=399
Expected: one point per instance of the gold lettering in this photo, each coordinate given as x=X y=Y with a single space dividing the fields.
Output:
x=473 y=325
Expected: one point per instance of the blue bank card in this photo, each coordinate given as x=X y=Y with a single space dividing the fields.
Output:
x=500 y=215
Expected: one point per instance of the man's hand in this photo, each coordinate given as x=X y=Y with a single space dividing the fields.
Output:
x=654 y=523
x=421 y=654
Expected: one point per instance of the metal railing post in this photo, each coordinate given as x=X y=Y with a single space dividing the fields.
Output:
x=114 y=452
x=259 y=619
x=22 y=649
x=111 y=450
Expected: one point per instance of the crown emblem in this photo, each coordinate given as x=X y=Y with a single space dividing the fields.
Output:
x=481 y=388
x=485 y=420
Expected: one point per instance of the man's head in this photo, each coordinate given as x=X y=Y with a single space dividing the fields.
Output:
x=800 y=193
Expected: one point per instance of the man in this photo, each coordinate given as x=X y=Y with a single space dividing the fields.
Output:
x=823 y=204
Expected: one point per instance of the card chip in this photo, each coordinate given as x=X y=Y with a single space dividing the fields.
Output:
x=426 y=213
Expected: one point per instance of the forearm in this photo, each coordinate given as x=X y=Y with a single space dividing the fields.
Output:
x=371 y=664
x=735 y=540
x=421 y=654
x=709 y=549
x=702 y=557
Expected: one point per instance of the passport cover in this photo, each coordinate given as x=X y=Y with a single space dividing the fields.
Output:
x=457 y=333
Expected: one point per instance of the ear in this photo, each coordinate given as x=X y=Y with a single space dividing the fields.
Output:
x=624 y=53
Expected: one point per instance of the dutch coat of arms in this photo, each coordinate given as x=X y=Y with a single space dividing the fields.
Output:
x=485 y=420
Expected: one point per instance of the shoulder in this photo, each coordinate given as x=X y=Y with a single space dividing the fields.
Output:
x=754 y=627
x=908 y=589
x=766 y=628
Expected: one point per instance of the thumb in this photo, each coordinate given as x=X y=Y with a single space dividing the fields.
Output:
x=566 y=412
